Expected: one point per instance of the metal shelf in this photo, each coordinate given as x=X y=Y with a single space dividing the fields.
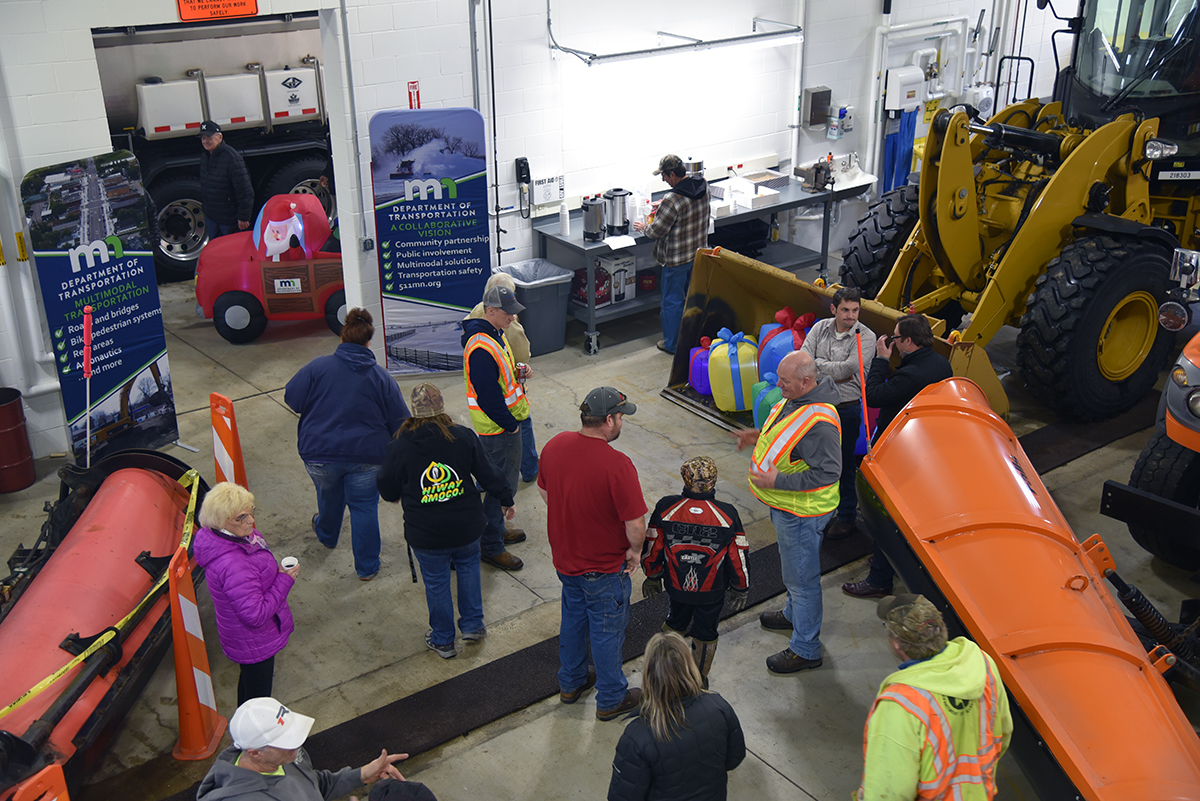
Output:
x=650 y=300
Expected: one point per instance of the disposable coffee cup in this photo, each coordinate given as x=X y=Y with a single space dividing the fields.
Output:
x=288 y=562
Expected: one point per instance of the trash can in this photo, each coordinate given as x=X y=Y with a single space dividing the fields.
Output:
x=16 y=458
x=542 y=288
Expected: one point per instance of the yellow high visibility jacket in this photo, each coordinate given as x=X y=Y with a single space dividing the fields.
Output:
x=775 y=445
x=514 y=395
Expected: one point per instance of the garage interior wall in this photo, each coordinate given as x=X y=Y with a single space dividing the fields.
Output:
x=600 y=126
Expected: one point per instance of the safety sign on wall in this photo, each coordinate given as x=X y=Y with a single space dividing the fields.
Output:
x=428 y=170
x=90 y=235
x=198 y=10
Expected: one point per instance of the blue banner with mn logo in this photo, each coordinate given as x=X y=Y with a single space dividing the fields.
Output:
x=428 y=170
x=89 y=233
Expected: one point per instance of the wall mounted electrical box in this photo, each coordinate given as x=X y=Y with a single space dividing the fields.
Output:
x=905 y=89
x=814 y=107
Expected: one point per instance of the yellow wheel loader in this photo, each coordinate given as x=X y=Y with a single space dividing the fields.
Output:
x=1060 y=218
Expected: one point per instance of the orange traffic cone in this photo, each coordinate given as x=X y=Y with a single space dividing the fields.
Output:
x=200 y=726
x=47 y=785
x=227 y=446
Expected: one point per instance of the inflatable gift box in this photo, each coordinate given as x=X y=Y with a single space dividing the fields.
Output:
x=733 y=370
x=698 y=367
x=766 y=395
x=780 y=338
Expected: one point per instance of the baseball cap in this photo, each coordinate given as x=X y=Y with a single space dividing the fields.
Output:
x=501 y=297
x=912 y=619
x=263 y=722
x=668 y=163
x=603 y=401
x=209 y=127
x=699 y=474
x=427 y=401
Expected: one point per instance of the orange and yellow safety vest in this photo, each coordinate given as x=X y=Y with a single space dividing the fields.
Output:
x=514 y=394
x=775 y=445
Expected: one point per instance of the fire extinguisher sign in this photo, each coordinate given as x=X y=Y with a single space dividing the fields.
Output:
x=414 y=94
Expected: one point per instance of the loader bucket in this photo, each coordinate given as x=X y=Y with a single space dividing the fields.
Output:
x=735 y=292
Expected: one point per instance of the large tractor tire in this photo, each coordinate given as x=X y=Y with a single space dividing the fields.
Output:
x=881 y=233
x=302 y=175
x=1090 y=345
x=1167 y=469
x=182 y=232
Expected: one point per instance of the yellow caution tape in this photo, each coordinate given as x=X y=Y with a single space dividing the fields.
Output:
x=56 y=675
x=2 y=261
x=21 y=254
x=192 y=478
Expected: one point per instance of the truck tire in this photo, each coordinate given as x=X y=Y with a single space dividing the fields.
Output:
x=881 y=233
x=239 y=317
x=335 y=311
x=1090 y=345
x=182 y=233
x=303 y=176
x=1167 y=469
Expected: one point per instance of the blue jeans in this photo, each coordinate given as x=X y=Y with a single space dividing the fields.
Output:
x=435 y=569
x=529 y=455
x=217 y=229
x=595 y=609
x=850 y=418
x=675 y=283
x=505 y=452
x=800 y=562
x=882 y=573
x=342 y=484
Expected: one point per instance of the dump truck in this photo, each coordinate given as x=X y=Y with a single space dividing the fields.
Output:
x=1058 y=218
x=258 y=79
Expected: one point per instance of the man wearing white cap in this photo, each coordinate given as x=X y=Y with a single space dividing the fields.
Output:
x=266 y=761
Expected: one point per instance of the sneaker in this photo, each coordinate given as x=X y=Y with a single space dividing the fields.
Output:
x=368 y=578
x=514 y=535
x=839 y=529
x=529 y=479
x=444 y=651
x=662 y=345
x=504 y=560
x=786 y=661
x=574 y=695
x=633 y=699
x=865 y=589
x=775 y=621
x=474 y=636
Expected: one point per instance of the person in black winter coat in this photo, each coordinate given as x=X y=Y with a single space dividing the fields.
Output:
x=684 y=741
x=919 y=367
x=430 y=467
x=226 y=193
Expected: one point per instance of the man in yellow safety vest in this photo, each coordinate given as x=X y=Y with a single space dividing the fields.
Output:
x=795 y=469
x=941 y=722
x=497 y=403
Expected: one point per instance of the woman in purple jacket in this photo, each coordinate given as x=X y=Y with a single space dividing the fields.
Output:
x=249 y=590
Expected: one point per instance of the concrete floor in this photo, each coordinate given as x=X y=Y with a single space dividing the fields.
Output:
x=359 y=645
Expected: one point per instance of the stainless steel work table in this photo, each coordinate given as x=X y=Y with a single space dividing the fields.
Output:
x=573 y=253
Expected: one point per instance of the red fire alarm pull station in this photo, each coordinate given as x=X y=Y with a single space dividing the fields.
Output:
x=414 y=94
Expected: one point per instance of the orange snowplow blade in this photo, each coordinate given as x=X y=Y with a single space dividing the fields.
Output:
x=954 y=480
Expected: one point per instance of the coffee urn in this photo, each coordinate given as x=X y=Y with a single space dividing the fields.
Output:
x=593 y=219
x=693 y=167
x=615 y=212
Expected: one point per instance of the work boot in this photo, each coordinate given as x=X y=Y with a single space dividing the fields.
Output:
x=704 y=652
x=514 y=535
x=865 y=589
x=504 y=560
x=839 y=529
x=573 y=696
x=775 y=621
x=786 y=661
x=633 y=699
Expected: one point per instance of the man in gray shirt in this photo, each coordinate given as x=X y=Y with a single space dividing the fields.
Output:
x=834 y=343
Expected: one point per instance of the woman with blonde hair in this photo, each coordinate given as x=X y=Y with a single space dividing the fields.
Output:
x=685 y=739
x=248 y=588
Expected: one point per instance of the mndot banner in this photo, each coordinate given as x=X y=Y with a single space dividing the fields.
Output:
x=428 y=169
x=90 y=235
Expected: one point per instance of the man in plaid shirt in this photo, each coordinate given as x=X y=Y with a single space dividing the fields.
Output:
x=680 y=228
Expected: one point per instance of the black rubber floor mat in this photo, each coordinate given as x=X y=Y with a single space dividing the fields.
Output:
x=1056 y=444
x=440 y=713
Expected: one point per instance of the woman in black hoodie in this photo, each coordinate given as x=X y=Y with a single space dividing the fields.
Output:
x=431 y=466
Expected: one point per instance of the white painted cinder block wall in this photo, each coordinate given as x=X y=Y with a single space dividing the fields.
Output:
x=602 y=126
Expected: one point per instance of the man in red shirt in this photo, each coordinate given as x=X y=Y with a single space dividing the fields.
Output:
x=596 y=523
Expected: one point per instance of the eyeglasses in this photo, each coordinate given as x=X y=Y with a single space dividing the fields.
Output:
x=242 y=518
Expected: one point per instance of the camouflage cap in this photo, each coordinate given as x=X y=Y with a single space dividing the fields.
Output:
x=699 y=474
x=427 y=401
x=915 y=622
x=669 y=163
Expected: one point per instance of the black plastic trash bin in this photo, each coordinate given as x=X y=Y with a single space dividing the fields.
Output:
x=542 y=288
